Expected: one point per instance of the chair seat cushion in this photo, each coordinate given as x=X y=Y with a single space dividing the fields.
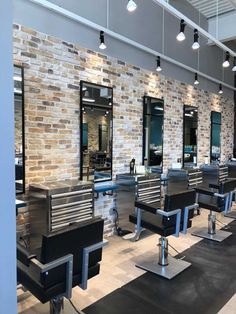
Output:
x=29 y=279
x=155 y=224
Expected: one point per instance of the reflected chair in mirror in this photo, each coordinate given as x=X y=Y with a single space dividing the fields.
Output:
x=216 y=199
x=171 y=219
x=66 y=258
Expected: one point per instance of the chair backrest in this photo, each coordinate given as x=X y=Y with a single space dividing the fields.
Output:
x=149 y=188
x=179 y=200
x=71 y=240
x=227 y=186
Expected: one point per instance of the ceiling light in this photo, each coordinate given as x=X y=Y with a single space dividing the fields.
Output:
x=220 y=89
x=226 y=63
x=131 y=6
x=181 y=36
x=102 y=41
x=234 y=67
x=158 y=69
x=196 y=82
x=195 y=44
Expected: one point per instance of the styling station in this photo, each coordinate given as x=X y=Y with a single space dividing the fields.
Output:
x=118 y=157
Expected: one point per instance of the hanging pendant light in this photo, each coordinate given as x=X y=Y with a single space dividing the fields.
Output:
x=195 y=44
x=220 y=89
x=131 y=6
x=102 y=41
x=158 y=68
x=234 y=67
x=196 y=82
x=226 y=63
x=181 y=36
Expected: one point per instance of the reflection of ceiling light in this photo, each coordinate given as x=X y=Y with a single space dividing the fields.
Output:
x=83 y=109
x=158 y=108
x=102 y=41
x=181 y=36
x=84 y=88
x=17 y=78
x=226 y=63
x=131 y=6
x=192 y=112
x=88 y=99
x=188 y=114
x=107 y=112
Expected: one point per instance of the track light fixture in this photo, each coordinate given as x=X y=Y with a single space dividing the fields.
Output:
x=195 y=44
x=196 y=82
x=131 y=6
x=226 y=63
x=234 y=67
x=181 y=36
x=158 y=69
x=102 y=41
x=220 y=89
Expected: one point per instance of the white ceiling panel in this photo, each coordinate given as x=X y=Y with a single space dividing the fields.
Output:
x=211 y=8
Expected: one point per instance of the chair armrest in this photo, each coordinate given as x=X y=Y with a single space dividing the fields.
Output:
x=176 y=212
x=214 y=186
x=186 y=214
x=44 y=268
x=24 y=255
x=204 y=191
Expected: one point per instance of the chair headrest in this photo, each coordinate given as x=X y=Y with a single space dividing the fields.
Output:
x=179 y=200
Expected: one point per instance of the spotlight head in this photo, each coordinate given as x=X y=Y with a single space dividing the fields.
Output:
x=195 y=44
x=158 y=68
x=131 y=6
x=196 y=82
x=181 y=36
x=226 y=63
x=102 y=41
x=220 y=89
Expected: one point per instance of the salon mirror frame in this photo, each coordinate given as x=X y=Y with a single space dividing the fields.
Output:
x=192 y=108
x=146 y=99
x=110 y=139
x=21 y=94
x=211 y=140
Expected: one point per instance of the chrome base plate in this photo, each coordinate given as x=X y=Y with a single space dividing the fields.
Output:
x=175 y=267
x=219 y=236
x=231 y=214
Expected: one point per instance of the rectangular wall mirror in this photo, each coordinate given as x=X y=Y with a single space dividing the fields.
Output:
x=96 y=131
x=190 y=123
x=215 y=136
x=153 y=121
x=19 y=129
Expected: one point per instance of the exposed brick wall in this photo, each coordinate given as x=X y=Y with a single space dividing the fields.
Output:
x=53 y=70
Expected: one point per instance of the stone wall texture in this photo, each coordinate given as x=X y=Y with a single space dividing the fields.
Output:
x=53 y=70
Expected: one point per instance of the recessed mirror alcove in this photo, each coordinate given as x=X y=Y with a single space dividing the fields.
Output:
x=153 y=121
x=96 y=104
x=190 y=124
x=215 y=136
x=19 y=129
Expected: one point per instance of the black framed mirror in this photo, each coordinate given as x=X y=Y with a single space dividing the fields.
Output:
x=19 y=129
x=153 y=122
x=190 y=124
x=96 y=114
x=215 y=136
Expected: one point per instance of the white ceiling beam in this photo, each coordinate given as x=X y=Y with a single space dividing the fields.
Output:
x=190 y=23
x=70 y=15
x=233 y=2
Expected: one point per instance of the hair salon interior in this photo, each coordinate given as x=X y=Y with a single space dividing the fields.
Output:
x=118 y=156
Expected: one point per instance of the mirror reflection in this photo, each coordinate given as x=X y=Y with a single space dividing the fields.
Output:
x=190 y=136
x=19 y=129
x=215 y=135
x=153 y=120
x=96 y=132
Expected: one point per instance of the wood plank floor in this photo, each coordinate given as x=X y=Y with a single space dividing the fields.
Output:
x=118 y=268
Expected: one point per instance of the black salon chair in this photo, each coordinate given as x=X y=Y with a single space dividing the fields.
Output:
x=66 y=258
x=173 y=217
x=216 y=198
